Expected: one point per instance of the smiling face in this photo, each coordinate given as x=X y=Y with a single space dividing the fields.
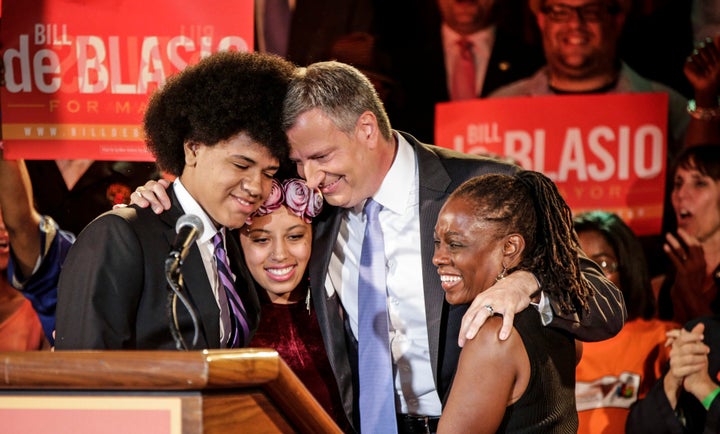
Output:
x=580 y=46
x=345 y=167
x=229 y=180
x=696 y=201
x=468 y=252
x=277 y=249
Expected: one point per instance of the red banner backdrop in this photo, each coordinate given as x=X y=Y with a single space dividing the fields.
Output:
x=603 y=151
x=78 y=74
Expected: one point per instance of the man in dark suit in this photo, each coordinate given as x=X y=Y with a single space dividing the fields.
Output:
x=130 y=285
x=216 y=126
x=423 y=48
x=342 y=142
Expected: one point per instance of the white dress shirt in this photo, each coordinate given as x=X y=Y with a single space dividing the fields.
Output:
x=207 y=252
x=415 y=391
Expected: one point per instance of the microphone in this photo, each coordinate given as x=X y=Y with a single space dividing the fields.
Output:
x=188 y=228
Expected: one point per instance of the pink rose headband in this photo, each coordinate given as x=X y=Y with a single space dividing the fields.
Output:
x=296 y=195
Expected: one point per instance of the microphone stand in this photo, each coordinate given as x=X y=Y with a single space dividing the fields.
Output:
x=173 y=276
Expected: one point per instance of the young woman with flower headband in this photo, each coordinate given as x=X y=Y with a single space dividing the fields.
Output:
x=276 y=242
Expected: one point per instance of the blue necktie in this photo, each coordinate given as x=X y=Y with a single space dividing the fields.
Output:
x=377 y=393
x=240 y=331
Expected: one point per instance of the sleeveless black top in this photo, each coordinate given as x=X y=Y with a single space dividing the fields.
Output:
x=548 y=404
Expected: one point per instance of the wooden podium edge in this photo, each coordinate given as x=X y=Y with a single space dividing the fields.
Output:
x=168 y=371
x=138 y=370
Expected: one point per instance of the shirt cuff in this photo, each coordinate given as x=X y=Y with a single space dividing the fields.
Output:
x=543 y=307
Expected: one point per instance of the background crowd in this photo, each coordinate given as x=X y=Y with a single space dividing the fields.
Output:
x=660 y=373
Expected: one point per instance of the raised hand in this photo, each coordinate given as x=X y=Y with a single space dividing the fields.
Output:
x=691 y=296
x=702 y=70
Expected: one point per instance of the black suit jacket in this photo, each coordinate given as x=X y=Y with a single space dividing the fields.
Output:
x=440 y=172
x=420 y=71
x=113 y=293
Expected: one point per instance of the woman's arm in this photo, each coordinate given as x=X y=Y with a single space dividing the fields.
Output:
x=605 y=318
x=479 y=396
x=21 y=219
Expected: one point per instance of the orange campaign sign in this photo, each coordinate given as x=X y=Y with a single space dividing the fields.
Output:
x=602 y=151
x=78 y=74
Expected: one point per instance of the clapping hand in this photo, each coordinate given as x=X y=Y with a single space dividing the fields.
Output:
x=702 y=70
x=691 y=297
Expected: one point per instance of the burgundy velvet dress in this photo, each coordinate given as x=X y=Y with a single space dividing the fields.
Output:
x=293 y=331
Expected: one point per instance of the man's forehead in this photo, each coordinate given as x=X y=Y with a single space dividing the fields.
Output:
x=305 y=149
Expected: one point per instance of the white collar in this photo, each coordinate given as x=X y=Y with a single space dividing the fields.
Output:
x=190 y=206
x=484 y=38
x=399 y=180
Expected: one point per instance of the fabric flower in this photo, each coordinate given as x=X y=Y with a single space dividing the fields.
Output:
x=315 y=204
x=296 y=196
x=274 y=201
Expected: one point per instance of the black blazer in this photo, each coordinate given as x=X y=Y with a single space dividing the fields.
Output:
x=440 y=172
x=113 y=293
x=420 y=72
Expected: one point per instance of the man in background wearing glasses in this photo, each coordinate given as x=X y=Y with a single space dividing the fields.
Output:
x=580 y=40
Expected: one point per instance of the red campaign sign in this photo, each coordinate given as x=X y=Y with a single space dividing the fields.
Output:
x=78 y=74
x=603 y=151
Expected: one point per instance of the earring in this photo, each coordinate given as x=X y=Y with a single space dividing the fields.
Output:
x=501 y=276
x=307 y=301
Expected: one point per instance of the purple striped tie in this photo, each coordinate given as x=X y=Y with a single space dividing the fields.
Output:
x=240 y=331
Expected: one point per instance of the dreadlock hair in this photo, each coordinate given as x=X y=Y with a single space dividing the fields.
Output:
x=528 y=203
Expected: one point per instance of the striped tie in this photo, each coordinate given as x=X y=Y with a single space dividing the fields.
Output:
x=240 y=331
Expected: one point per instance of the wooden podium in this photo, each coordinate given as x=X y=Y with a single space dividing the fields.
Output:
x=137 y=392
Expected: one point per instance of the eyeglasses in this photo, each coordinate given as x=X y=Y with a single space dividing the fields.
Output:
x=591 y=12
x=609 y=265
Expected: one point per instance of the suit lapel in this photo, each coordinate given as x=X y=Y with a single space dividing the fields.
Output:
x=434 y=182
x=510 y=60
x=330 y=313
x=434 y=185
x=195 y=281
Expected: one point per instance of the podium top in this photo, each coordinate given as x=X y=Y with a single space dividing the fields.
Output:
x=219 y=372
x=140 y=370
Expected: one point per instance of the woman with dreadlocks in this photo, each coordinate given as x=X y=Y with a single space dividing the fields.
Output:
x=491 y=226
